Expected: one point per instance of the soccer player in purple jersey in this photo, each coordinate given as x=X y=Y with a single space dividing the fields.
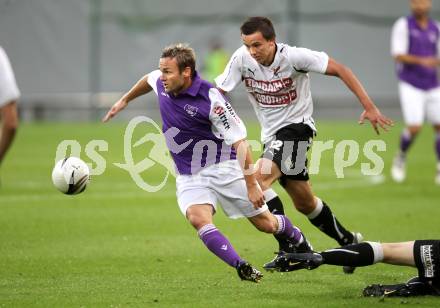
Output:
x=204 y=119
x=276 y=77
x=415 y=44
x=422 y=254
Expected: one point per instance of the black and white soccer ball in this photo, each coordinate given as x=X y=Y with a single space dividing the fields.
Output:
x=71 y=175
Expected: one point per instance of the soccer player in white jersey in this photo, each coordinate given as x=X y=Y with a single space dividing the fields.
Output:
x=204 y=136
x=422 y=254
x=415 y=45
x=277 y=80
x=9 y=94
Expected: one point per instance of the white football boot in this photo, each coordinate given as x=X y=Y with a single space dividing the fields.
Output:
x=398 y=170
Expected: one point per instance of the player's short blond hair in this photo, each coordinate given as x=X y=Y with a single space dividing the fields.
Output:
x=184 y=55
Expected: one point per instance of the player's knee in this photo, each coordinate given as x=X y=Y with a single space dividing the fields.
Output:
x=196 y=219
x=264 y=181
x=264 y=185
x=264 y=174
x=414 y=130
x=305 y=206
x=267 y=225
x=302 y=197
x=267 y=228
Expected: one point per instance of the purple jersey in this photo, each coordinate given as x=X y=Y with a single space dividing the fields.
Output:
x=418 y=42
x=199 y=124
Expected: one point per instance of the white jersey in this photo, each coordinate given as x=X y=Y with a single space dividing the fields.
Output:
x=280 y=93
x=8 y=87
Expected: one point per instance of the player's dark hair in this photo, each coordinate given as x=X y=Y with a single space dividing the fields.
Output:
x=184 y=55
x=258 y=23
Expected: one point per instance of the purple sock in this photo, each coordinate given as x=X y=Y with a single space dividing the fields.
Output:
x=437 y=146
x=405 y=141
x=219 y=244
x=286 y=229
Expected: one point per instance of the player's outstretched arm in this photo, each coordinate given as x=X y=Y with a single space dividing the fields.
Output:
x=140 y=88
x=371 y=112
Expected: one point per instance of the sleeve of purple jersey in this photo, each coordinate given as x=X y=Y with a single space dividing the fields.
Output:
x=225 y=122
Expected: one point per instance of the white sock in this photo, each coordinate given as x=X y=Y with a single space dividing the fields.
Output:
x=317 y=210
x=377 y=250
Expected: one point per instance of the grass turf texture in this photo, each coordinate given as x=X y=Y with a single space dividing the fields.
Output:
x=118 y=246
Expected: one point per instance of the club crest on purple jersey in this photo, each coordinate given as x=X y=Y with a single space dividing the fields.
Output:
x=191 y=110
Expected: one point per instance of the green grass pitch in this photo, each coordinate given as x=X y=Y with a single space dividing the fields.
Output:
x=116 y=245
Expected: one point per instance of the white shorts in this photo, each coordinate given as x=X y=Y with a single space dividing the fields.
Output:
x=417 y=103
x=223 y=182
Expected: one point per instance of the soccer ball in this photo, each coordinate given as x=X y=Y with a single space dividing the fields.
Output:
x=71 y=175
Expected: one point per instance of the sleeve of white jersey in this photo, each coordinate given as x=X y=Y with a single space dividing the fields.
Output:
x=152 y=79
x=225 y=122
x=231 y=76
x=303 y=59
x=399 y=37
x=8 y=86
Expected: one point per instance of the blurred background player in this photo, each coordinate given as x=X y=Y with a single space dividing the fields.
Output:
x=9 y=94
x=415 y=48
x=277 y=80
x=215 y=61
x=423 y=254
x=201 y=115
